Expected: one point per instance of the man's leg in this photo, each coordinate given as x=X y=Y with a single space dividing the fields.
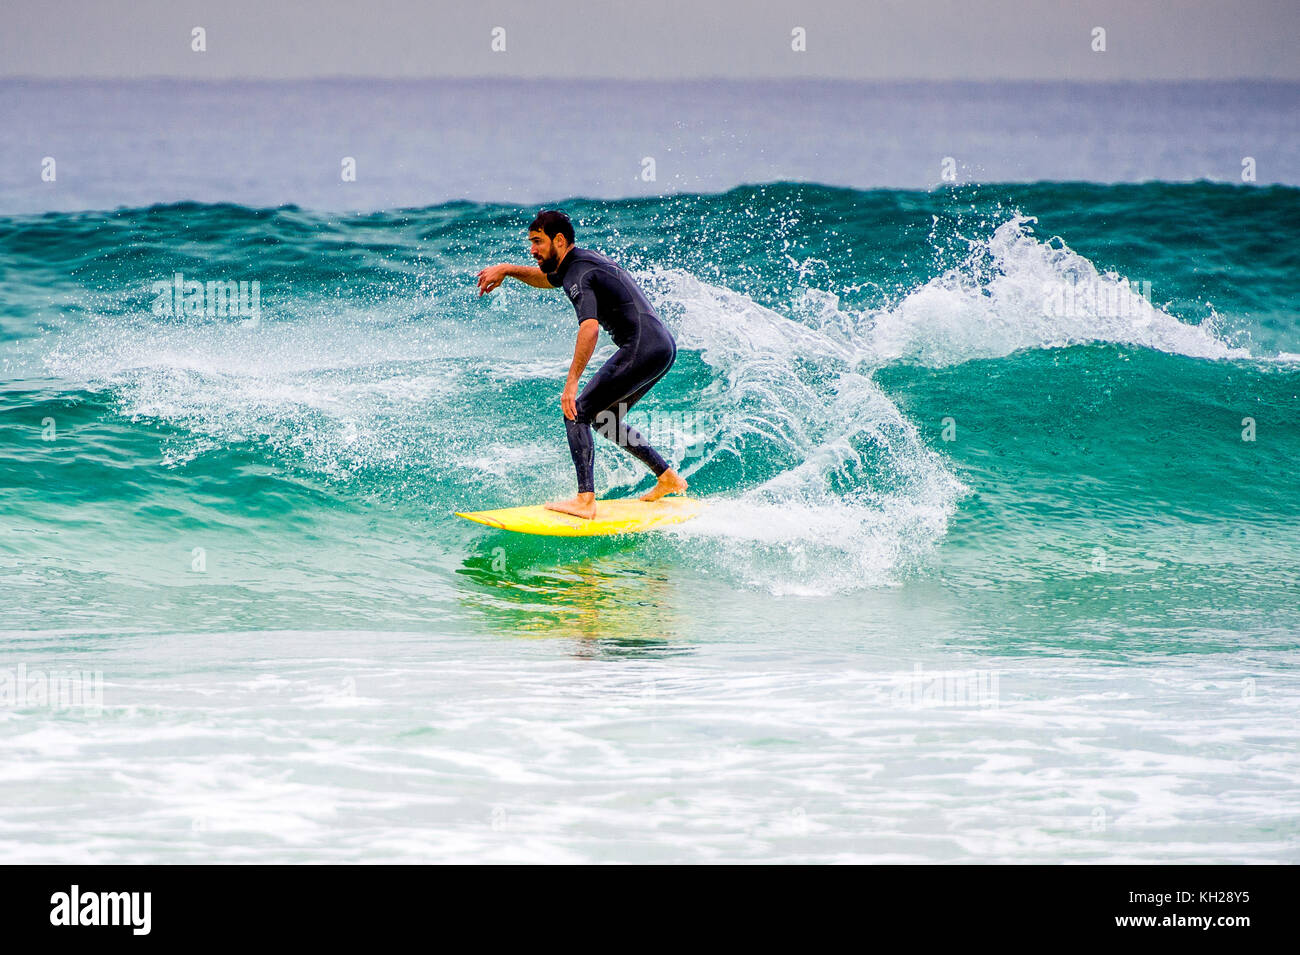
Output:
x=611 y=424
x=621 y=378
x=604 y=385
x=667 y=480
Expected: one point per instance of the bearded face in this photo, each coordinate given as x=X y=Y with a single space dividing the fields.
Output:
x=543 y=251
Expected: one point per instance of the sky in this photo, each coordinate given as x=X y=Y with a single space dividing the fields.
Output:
x=655 y=39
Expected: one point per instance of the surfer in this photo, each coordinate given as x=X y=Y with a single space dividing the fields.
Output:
x=604 y=296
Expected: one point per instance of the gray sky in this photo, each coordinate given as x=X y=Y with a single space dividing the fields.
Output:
x=868 y=39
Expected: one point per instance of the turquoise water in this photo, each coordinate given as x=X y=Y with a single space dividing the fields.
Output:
x=1001 y=562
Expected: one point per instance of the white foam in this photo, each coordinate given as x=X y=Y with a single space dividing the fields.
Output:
x=337 y=390
x=1014 y=292
x=862 y=496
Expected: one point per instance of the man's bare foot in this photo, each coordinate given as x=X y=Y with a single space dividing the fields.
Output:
x=584 y=506
x=670 y=482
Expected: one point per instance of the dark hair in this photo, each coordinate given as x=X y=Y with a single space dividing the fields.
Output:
x=553 y=222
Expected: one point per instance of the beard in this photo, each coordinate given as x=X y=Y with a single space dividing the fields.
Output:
x=549 y=263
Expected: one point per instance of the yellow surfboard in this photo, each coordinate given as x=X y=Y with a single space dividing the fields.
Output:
x=612 y=517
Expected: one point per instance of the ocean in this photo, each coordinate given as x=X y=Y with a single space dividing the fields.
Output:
x=1000 y=562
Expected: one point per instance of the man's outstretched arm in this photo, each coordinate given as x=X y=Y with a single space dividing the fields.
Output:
x=494 y=275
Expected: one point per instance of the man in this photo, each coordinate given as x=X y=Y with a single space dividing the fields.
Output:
x=604 y=295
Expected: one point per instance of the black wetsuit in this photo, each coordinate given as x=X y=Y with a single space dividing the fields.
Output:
x=602 y=290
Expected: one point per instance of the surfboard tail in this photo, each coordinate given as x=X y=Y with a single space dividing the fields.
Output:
x=612 y=517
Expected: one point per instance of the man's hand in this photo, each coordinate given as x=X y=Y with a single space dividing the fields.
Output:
x=491 y=277
x=569 y=400
x=494 y=275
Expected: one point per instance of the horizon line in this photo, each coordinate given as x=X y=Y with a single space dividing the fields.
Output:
x=700 y=78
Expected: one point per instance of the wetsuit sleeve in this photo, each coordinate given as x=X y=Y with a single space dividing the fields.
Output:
x=583 y=295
